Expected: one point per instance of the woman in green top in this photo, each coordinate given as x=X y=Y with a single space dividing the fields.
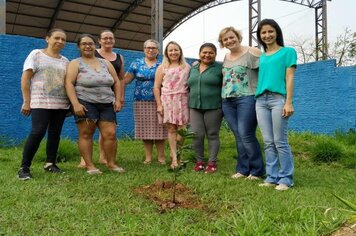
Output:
x=205 y=112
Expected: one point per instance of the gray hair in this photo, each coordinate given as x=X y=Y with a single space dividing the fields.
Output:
x=151 y=41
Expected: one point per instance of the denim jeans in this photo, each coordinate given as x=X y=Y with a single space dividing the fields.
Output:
x=274 y=128
x=240 y=115
x=43 y=120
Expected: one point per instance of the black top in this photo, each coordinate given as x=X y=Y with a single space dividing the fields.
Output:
x=117 y=63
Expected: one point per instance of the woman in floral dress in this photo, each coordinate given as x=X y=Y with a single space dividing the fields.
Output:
x=171 y=94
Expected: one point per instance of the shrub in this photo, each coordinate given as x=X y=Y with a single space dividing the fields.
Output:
x=326 y=150
x=348 y=138
x=349 y=159
x=67 y=150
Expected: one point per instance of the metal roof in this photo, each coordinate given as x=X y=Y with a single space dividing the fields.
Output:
x=129 y=20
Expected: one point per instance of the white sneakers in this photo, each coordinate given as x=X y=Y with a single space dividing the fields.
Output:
x=238 y=176
x=279 y=187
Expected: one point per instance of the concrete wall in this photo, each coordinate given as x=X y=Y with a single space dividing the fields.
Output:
x=324 y=94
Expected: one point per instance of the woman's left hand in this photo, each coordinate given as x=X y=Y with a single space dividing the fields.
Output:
x=117 y=106
x=288 y=110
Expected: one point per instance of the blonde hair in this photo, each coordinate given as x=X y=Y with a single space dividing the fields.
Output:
x=228 y=29
x=166 y=61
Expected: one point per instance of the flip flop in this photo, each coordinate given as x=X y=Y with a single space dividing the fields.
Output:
x=94 y=172
x=147 y=162
x=118 y=169
x=162 y=162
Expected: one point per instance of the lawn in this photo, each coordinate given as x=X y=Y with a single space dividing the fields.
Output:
x=76 y=203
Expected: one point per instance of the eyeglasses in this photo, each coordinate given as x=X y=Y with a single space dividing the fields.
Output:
x=107 y=38
x=84 y=44
x=150 y=48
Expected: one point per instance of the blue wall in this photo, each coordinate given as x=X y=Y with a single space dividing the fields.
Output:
x=324 y=94
x=324 y=98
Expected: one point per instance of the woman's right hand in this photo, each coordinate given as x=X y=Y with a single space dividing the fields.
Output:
x=160 y=110
x=79 y=109
x=26 y=109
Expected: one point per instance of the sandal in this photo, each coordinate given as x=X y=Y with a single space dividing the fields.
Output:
x=118 y=169
x=162 y=162
x=174 y=165
x=147 y=162
x=94 y=172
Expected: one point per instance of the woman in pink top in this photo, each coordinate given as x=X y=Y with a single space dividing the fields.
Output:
x=171 y=94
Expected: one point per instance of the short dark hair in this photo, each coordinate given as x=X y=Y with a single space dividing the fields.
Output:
x=104 y=31
x=83 y=36
x=278 y=29
x=51 y=31
x=208 y=45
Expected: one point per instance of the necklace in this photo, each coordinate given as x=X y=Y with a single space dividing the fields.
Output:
x=50 y=54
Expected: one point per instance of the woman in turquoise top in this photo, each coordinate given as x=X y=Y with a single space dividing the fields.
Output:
x=274 y=103
x=238 y=102
x=205 y=106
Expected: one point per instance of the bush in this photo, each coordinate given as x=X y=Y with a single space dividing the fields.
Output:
x=348 y=138
x=349 y=159
x=326 y=151
x=67 y=150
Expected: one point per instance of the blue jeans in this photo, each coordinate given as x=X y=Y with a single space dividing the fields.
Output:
x=240 y=115
x=274 y=128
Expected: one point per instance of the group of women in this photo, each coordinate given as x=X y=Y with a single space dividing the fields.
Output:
x=250 y=88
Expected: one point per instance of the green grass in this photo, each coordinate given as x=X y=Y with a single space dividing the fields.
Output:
x=78 y=204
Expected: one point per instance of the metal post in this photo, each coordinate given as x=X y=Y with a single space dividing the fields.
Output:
x=157 y=21
x=321 y=42
x=254 y=19
x=2 y=17
x=325 y=32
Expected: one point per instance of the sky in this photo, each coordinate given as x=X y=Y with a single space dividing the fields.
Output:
x=295 y=20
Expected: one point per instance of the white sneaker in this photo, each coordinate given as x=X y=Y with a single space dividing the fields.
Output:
x=281 y=187
x=252 y=177
x=267 y=184
x=238 y=176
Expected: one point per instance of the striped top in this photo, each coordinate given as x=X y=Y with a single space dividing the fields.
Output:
x=47 y=82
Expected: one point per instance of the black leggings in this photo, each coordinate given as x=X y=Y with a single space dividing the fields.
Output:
x=43 y=120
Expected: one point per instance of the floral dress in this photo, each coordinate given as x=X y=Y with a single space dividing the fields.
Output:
x=175 y=95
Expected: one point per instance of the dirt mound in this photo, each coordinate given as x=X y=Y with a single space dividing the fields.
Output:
x=161 y=192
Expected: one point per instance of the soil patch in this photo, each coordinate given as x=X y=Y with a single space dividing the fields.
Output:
x=347 y=229
x=161 y=192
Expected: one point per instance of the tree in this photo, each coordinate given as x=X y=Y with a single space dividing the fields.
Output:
x=305 y=48
x=343 y=50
